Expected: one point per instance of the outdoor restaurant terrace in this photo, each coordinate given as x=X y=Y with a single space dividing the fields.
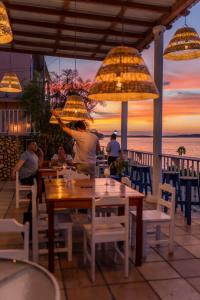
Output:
x=59 y=236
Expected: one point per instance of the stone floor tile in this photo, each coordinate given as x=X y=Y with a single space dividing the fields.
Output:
x=89 y=293
x=187 y=268
x=81 y=278
x=174 y=289
x=130 y=291
x=186 y=240
x=194 y=249
x=115 y=274
x=179 y=253
x=157 y=270
x=195 y=282
x=63 y=295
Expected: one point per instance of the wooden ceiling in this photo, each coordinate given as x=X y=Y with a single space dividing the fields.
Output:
x=87 y=29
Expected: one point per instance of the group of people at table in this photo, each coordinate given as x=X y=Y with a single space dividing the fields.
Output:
x=84 y=160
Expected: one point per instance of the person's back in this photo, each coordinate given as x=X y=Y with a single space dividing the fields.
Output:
x=30 y=166
x=86 y=143
x=113 y=149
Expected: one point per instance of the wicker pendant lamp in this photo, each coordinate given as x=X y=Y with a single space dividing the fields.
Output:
x=123 y=76
x=53 y=119
x=10 y=83
x=75 y=110
x=6 y=35
x=184 y=45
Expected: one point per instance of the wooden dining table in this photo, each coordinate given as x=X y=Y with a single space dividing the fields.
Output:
x=79 y=194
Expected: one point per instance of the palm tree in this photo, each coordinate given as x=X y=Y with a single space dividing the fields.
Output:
x=181 y=150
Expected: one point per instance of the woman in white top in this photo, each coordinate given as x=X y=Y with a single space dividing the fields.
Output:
x=61 y=157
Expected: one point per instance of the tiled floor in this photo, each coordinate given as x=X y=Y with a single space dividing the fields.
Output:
x=160 y=277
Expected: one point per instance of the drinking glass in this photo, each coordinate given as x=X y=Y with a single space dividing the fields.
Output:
x=107 y=174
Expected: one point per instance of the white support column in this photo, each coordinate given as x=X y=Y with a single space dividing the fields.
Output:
x=124 y=125
x=157 y=123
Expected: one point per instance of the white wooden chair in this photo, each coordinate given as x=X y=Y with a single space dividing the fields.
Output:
x=12 y=226
x=164 y=214
x=71 y=174
x=62 y=224
x=126 y=181
x=21 y=187
x=105 y=229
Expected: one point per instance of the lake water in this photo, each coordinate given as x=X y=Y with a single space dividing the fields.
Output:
x=170 y=145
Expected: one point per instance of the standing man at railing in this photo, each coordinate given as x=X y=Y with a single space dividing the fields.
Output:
x=113 y=149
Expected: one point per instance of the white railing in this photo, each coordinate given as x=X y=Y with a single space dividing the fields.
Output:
x=187 y=166
x=15 y=122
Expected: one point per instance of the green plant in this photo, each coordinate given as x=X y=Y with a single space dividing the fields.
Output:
x=181 y=150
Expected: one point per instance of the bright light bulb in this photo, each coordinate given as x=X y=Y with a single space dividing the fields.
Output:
x=118 y=83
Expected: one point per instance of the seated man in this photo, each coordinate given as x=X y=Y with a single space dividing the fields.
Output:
x=61 y=157
x=28 y=164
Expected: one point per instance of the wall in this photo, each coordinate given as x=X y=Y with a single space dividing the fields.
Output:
x=10 y=149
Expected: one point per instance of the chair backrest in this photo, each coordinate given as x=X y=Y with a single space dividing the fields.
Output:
x=166 y=205
x=126 y=181
x=105 y=219
x=12 y=226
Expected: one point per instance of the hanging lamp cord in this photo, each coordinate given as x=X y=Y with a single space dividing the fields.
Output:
x=75 y=39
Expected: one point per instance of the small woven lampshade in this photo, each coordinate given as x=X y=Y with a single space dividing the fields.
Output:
x=53 y=119
x=10 y=83
x=6 y=35
x=184 y=45
x=75 y=110
x=123 y=76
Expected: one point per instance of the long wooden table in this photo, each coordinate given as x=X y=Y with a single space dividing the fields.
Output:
x=79 y=194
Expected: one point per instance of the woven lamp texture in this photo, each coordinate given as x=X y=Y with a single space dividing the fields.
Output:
x=10 y=83
x=53 y=119
x=184 y=45
x=75 y=110
x=6 y=35
x=123 y=76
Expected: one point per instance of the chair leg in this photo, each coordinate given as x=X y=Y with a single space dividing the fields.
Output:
x=17 y=197
x=93 y=261
x=126 y=259
x=132 y=232
x=84 y=248
x=171 y=238
x=158 y=232
x=145 y=242
x=69 y=243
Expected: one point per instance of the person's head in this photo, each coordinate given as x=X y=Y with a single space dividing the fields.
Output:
x=80 y=125
x=32 y=145
x=113 y=136
x=61 y=150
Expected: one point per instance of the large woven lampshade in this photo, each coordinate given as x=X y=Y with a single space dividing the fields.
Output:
x=53 y=119
x=10 y=83
x=75 y=110
x=184 y=45
x=6 y=35
x=123 y=76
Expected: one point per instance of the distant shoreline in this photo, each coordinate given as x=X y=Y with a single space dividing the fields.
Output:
x=164 y=136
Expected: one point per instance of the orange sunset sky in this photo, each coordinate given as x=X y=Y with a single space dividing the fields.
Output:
x=181 y=102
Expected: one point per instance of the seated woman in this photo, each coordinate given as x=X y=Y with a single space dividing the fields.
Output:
x=61 y=157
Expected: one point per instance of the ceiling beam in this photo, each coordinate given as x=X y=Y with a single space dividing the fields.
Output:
x=75 y=28
x=176 y=11
x=51 y=46
x=76 y=14
x=24 y=51
x=66 y=38
x=129 y=4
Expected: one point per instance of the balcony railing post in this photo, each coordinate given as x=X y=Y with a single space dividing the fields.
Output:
x=157 y=125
